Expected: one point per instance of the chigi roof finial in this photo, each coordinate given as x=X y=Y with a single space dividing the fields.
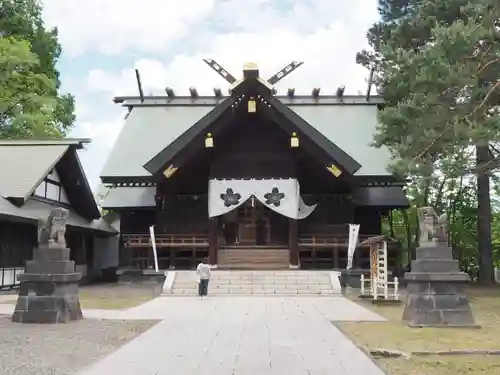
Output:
x=251 y=70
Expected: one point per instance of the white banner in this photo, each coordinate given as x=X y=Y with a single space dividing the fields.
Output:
x=153 y=245
x=353 y=243
x=279 y=195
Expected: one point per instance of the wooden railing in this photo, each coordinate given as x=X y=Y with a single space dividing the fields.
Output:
x=326 y=240
x=166 y=240
x=173 y=250
x=326 y=247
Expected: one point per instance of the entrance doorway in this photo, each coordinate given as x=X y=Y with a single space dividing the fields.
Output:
x=248 y=225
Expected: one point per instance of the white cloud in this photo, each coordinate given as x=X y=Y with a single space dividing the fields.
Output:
x=325 y=34
x=329 y=62
x=114 y=27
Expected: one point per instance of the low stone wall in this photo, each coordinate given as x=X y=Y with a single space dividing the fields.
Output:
x=141 y=276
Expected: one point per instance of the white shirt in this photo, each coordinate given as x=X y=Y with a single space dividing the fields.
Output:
x=203 y=271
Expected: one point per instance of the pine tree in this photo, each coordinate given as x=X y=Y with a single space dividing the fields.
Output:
x=437 y=63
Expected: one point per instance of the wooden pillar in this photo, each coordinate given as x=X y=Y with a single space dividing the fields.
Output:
x=173 y=261
x=212 y=240
x=336 y=260
x=293 y=242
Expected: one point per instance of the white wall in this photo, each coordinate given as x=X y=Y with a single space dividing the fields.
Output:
x=48 y=190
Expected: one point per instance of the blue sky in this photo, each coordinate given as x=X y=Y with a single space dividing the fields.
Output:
x=104 y=40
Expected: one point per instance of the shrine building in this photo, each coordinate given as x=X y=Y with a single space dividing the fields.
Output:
x=252 y=180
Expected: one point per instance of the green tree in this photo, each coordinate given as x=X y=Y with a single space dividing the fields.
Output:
x=26 y=106
x=437 y=64
x=22 y=20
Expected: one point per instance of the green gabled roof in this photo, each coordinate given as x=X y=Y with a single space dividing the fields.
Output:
x=32 y=160
x=145 y=133
x=154 y=124
x=28 y=166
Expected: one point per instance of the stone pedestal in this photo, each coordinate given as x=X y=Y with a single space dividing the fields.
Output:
x=48 y=292
x=436 y=290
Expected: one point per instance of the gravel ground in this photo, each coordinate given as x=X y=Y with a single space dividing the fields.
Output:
x=65 y=349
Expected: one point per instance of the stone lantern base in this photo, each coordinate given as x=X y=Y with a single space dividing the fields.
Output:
x=48 y=292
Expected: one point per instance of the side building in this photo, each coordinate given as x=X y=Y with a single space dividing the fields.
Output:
x=35 y=177
x=251 y=180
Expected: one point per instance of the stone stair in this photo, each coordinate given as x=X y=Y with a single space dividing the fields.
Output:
x=260 y=283
x=253 y=259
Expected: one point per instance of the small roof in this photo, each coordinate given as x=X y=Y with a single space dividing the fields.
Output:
x=377 y=239
x=130 y=196
x=34 y=159
x=33 y=210
x=381 y=196
x=32 y=163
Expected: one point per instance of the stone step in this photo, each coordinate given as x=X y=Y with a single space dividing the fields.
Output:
x=261 y=282
x=252 y=266
x=191 y=292
x=216 y=273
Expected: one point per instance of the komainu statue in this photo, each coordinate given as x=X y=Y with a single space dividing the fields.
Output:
x=51 y=232
x=432 y=228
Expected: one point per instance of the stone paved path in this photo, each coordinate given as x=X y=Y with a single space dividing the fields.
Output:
x=241 y=335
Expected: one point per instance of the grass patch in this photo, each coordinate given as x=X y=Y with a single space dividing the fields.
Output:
x=395 y=334
x=109 y=296
x=92 y=301
x=433 y=365
x=115 y=296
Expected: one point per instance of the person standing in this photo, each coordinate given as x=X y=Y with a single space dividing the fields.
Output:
x=203 y=274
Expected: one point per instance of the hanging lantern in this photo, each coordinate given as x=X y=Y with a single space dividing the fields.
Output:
x=294 y=140
x=209 y=141
x=252 y=105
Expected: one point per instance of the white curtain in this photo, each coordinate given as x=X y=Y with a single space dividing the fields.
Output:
x=226 y=195
x=280 y=195
x=304 y=210
x=353 y=242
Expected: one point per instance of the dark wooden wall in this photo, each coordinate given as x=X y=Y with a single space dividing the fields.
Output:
x=137 y=221
x=253 y=148
x=17 y=241
x=369 y=219
x=331 y=210
x=183 y=214
x=81 y=245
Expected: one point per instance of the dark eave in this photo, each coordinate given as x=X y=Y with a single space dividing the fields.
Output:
x=76 y=185
x=212 y=101
x=118 y=180
x=389 y=180
x=285 y=117
x=78 y=143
